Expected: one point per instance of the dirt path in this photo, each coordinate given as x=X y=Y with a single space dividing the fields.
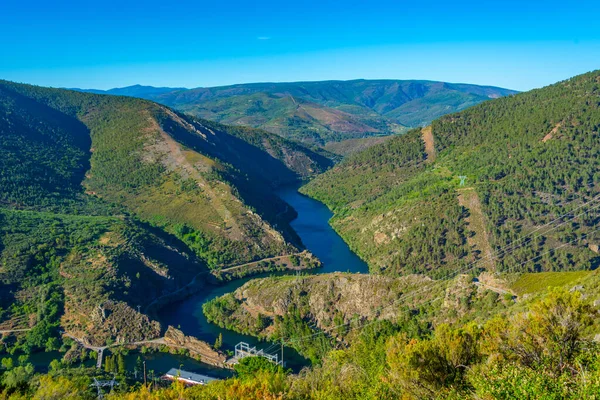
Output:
x=469 y=199
x=552 y=132
x=494 y=289
x=8 y=331
x=427 y=135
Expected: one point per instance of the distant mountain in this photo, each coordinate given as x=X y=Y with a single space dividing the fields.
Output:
x=321 y=112
x=144 y=92
x=107 y=203
x=527 y=160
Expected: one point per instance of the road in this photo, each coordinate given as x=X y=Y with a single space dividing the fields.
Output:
x=256 y=262
x=100 y=349
x=494 y=289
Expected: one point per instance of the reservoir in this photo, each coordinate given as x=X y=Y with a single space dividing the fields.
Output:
x=312 y=225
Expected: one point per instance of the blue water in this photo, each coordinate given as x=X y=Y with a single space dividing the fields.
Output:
x=312 y=225
x=318 y=237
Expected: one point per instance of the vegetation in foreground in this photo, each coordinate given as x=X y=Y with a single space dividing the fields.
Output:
x=543 y=352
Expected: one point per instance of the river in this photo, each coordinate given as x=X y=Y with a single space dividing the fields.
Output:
x=312 y=226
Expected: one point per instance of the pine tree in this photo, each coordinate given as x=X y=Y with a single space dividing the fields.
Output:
x=108 y=364
x=218 y=342
x=121 y=364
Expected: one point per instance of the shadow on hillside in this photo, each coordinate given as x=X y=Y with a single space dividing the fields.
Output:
x=159 y=265
x=255 y=173
x=66 y=143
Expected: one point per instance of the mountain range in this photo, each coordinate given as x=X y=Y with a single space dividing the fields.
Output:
x=322 y=112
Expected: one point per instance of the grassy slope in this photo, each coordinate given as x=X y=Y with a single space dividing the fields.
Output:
x=403 y=215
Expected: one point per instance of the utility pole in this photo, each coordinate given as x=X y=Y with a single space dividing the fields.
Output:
x=145 y=382
x=282 y=353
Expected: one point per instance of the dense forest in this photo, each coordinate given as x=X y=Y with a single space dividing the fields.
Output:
x=530 y=167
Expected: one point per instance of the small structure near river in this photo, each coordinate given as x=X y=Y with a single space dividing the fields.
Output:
x=243 y=350
x=189 y=378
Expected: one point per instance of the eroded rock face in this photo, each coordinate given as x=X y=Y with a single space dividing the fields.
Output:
x=108 y=320
x=322 y=298
x=176 y=338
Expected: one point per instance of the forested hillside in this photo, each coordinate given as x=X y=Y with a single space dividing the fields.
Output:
x=528 y=160
x=322 y=112
x=107 y=203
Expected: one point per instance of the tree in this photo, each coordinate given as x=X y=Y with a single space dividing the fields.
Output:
x=60 y=388
x=121 y=368
x=139 y=366
x=52 y=344
x=23 y=358
x=109 y=364
x=550 y=334
x=8 y=363
x=248 y=367
x=218 y=342
x=18 y=377
x=54 y=365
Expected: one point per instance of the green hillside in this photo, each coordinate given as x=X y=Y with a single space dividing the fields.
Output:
x=528 y=159
x=321 y=112
x=107 y=203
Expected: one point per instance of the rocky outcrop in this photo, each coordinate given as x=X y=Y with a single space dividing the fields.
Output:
x=326 y=298
x=176 y=338
x=111 y=321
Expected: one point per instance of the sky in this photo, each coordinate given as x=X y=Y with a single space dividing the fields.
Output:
x=104 y=44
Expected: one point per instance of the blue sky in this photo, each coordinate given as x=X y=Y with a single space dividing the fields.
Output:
x=104 y=44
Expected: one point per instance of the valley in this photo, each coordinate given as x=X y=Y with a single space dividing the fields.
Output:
x=133 y=232
x=320 y=239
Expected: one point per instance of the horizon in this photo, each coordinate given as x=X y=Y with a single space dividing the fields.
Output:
x=277 y=83
x=200 y=44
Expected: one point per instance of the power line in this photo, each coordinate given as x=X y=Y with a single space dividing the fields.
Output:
x=473 y=264
x=428 y=301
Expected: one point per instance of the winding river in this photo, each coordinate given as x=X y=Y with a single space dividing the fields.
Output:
x=318 y=237
x=312 y=226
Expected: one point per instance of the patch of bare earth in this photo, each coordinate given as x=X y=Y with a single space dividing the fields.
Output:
x=552 y=132
x=469 y=199
x=427 y=135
